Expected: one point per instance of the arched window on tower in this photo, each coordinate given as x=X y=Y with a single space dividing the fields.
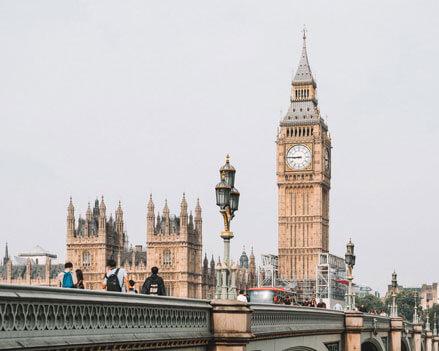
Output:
x=167 y=258
x=86 y=259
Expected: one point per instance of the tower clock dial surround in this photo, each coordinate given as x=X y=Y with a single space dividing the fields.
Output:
x=299 y=157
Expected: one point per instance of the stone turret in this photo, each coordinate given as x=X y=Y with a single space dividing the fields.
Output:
x=205 y=265
x=198 y=222
x=6 y=257
x=70 y=220
x=252 y=270
x=120 y=226
x=183 y=217
x=88 y=214
x=102 y=217
x=166 y=218
x=150 y=224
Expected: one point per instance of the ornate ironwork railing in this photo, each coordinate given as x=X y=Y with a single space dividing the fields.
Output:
x=375 y=323
x=47 y=318
x=290 y=320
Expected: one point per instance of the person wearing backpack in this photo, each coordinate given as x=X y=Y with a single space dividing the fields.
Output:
x=116 y=279
x=67 y=279
x=154 y=284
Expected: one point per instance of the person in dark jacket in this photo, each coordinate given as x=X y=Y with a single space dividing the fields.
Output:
x=154 y=284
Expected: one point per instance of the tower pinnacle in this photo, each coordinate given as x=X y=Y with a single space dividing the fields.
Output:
x=303 y=73
x=6 y=257
x=303 y=108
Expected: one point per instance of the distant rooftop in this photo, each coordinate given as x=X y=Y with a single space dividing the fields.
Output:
x=37 y=251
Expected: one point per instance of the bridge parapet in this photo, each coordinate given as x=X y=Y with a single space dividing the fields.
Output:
x=69 y=319
x=278 y=320
x=48 y=317
x=375 y=323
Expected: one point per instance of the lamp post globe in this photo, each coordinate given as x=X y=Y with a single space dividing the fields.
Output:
x=222 y=190
x=349 y=256
x=234 y=199
x=227 y=172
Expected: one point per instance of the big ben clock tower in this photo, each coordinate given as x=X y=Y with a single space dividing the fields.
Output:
x=303 y=179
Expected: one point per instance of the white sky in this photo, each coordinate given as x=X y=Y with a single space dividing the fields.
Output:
x=131 y=97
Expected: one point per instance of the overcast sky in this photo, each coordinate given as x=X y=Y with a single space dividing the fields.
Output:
x=126 y=98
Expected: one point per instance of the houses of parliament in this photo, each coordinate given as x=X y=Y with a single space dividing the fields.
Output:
x=173 y=243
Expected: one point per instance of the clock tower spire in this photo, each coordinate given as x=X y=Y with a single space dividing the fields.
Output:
x=303 y=179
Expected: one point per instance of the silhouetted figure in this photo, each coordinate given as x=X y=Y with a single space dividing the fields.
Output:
x=154 y=284
x=79 y=279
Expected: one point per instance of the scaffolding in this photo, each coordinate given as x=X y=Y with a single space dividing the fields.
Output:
x=330 y=280
x=269 y=275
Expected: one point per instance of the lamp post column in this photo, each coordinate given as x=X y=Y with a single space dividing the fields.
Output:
x=396 y=323
x=227 y=199
x=417 y=327
x=428 y=334
x=350 y=263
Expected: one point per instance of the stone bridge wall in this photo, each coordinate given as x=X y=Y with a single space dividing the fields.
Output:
x=65 y=319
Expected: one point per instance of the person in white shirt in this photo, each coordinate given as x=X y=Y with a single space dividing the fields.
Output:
x=241 y=297
x=338 y=307
x=116 y=279
x=67 y=279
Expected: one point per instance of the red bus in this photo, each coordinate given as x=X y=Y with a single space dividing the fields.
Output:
x=272 y=295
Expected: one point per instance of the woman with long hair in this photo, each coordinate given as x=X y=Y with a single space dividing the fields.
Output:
x=80 y=279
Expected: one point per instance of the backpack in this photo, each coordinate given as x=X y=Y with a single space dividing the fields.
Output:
x=67 y=280
x=153 y=286
x=113 y=282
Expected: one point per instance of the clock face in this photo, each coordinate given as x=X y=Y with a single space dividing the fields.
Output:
x=326 y=159
x=299 y=157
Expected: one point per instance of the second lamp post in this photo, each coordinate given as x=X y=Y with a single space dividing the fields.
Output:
x=227 y=199
x=350 y=263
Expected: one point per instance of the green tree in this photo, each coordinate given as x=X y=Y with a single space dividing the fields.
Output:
x=431 y=312
x=405 y=300
x=370 y=302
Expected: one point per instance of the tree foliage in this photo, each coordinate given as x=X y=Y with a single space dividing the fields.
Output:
x=370 y=302
x=405 y=300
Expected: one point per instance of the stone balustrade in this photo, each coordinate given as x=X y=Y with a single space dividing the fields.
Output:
x=269 y=320
x=375 y=323
x=49 y=317
x=45 y=318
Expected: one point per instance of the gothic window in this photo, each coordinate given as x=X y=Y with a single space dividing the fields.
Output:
x=86 y=259
x=167 y=259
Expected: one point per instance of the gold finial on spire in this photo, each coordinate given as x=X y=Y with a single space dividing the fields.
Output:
x=304 y=32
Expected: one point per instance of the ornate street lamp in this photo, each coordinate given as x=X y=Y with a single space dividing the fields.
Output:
x=350 y=263
x=427 y=321
x=227 y=199
x=415 y=313
x=394 y=310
